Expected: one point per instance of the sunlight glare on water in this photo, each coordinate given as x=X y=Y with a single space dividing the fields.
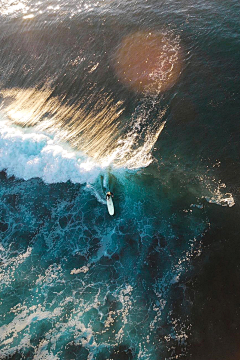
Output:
x=149 y=61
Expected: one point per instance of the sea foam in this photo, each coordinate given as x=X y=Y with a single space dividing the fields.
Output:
x=27 y=154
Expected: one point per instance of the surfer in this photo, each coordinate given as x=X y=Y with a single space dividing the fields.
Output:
x=109 y=194
x=110 y=206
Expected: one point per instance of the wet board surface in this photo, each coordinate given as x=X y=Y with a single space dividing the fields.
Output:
x=110 y=206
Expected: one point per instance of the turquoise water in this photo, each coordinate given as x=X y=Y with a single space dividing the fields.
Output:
x=160 y=279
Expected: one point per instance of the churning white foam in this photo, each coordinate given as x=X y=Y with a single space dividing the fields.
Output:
x=27 y=154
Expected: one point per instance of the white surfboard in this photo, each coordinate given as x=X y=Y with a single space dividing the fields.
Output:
x=110 y=206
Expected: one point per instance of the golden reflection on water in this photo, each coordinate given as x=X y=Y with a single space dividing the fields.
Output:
x=8 y=7
x=94 y=127
x=148 y=61
x=91 y=130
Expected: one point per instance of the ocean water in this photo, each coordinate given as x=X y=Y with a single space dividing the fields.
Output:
x=161 y=279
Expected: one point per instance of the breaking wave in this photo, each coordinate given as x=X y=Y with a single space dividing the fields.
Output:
x=39 y=137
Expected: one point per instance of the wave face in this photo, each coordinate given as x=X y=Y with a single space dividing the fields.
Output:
x=77 y=120
x=97 y=133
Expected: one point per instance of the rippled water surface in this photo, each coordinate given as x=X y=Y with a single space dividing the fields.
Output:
x=140 y=98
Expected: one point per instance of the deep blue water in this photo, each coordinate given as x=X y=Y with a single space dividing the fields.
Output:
x=159 y=280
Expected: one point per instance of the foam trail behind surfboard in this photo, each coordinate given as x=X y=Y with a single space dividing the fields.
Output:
x=106 y=181
x=92 y=189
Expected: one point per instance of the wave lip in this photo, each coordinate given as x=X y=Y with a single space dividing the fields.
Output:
x=97 y=138
x=28 y=153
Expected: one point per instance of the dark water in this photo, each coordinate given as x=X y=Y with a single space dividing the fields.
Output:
x=160 y=279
